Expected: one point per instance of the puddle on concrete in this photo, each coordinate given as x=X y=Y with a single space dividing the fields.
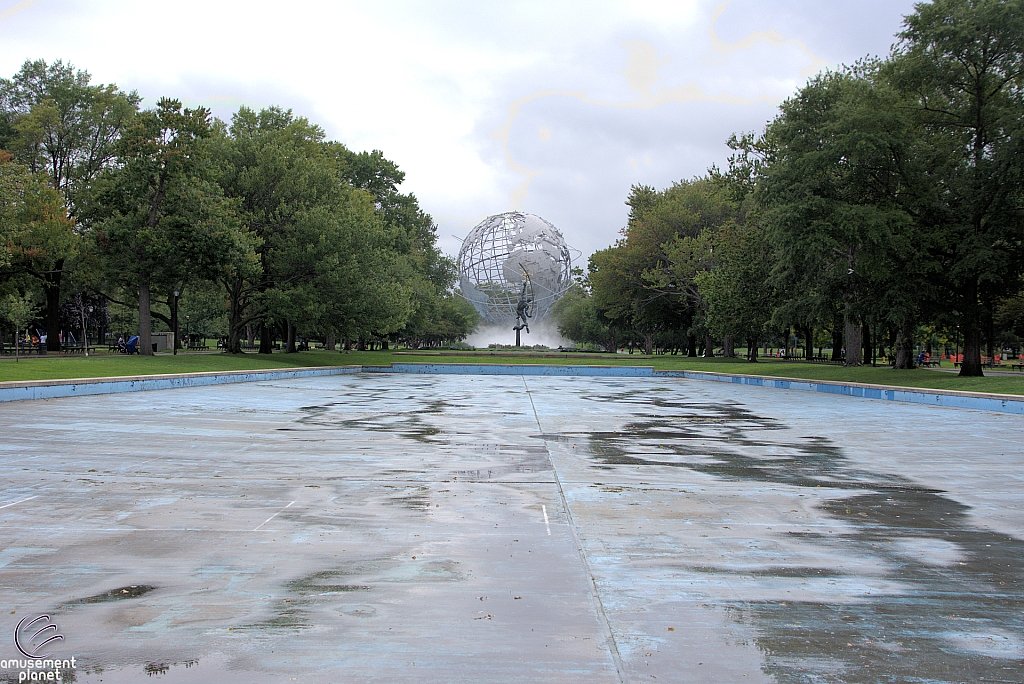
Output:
x=960 y=616
x=323 y=584
x=119 y=594
x=380 y=410
x=215 y=668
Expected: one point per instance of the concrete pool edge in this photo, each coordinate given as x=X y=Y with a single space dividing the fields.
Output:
x=53 y=389
x=25 y=390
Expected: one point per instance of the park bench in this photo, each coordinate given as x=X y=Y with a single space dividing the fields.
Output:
x=990 y=364
x=929 y=364
x=76 y=349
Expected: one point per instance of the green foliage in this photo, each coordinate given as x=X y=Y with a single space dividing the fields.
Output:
x=36 y=231
x=61 y=125
x=645 y=284
x=960 y=63
x=578 y=319
x=17 y=311
x=738 y=292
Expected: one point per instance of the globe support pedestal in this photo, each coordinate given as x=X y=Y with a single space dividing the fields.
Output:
x=517 y=337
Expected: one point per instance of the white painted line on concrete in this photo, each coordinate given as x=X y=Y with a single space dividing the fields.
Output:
x=16 y=502
x=273 y=516
x=546 y=524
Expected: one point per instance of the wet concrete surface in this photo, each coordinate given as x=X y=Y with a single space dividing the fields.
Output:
x=509 y=529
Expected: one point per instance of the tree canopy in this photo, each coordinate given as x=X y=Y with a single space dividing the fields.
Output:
x=261 y=227
x=883 y=204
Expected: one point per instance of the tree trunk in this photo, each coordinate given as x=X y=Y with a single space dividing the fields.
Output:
x=145 y=322
x=709 y=346
x=361 y=343
x=837 y=344
x=728 y=347
x=990 y=336
x=174 y=321
x=752 y=349
x=384 y=344
x=809 y=343
x=904 y=347
x=236 y=306
x=266 y=338
x=51 y=287
x=649 y=343
x=290 y=348
x=865 y=331
x=329 y=343
x=971 y=366
x=250 y=335
x=854 y=342
x=234 y=341
x=691 y=346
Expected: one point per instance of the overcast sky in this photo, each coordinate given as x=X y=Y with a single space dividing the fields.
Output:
x=555 y=108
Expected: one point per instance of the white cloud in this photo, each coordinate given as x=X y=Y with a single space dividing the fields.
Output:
x=430 y=83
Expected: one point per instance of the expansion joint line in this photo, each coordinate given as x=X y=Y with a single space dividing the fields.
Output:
x=594 y=593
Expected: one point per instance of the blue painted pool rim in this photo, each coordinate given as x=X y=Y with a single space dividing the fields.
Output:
x=53 y=389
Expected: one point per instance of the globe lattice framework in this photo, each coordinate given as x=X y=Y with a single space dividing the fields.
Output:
x=501 y=253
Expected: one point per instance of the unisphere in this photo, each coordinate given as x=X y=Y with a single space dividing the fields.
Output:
x=503 y=252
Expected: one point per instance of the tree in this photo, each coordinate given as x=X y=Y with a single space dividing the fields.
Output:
x=578 y=319
x=36 y=232
x=838 y=166
x=430 y=274
x=700 y=207
x=19 y=312
x=632 y=283
x=738 y=291
x=961 y=64
x=333 y=259
x=58 y=124
x=148 y=214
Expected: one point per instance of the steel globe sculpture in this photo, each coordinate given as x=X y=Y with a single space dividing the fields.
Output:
x=512 y=257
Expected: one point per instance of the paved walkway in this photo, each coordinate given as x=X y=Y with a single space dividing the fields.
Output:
x=509 y=529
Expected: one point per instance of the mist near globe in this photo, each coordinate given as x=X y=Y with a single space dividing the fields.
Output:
x=545 y=333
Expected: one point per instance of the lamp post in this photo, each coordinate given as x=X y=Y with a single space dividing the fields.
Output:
x=174 y=342
x=85 y=331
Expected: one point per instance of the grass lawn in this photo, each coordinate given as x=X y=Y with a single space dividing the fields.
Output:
x=57 y=366
x=103 y=365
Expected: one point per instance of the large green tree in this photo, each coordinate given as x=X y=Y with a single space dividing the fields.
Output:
x=961 y=65
x=158 y=218
x=634 y=283
x=57 y=123
x=839 y=187
x=36 y=233
x=331 y=259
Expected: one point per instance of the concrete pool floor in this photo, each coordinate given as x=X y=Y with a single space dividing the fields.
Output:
x=514 y=529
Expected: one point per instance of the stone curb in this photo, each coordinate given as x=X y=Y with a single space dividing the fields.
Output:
x=54 y=389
